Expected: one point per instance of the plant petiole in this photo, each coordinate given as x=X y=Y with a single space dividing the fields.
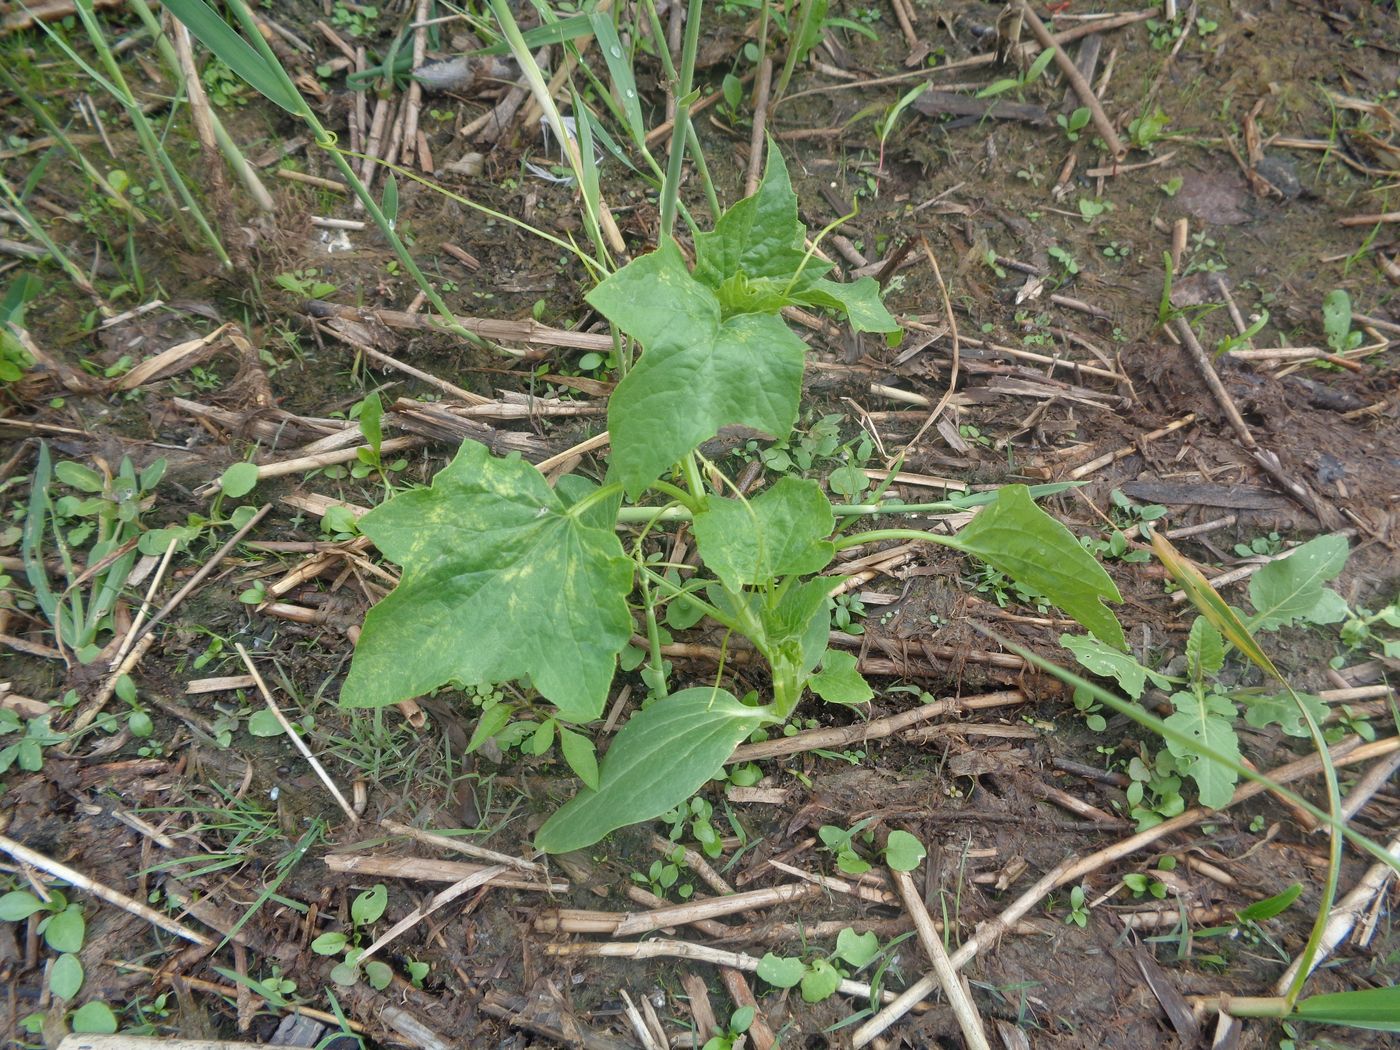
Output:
x=636 y=515
x=577 y=510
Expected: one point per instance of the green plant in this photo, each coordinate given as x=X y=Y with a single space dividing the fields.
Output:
x=28 y=751
x=1021 y=81
x=538 y=555
x=64 y=930
x=904 y=852
x=305 y=284
x=845 y=610
x=356 y=19
x=1376 y=1008
x=365 y=910
x=1284 y=592
x=1163 y=34
x=733 y=1035
x=1073 y=124
x=221 y=85
x=1065 y=258
x=1241 y=339
x=1358 y=631
x=1145 y=131
x=1336 y=322
x=841 y=842
x=664 y=875
x=1078 y=908
x=696 y=816
x=889 y=120
x=105 y=517
x=1090 y=208
x=1145 y=885
x=821 y=975
x=15 y=359
x=1261 y=546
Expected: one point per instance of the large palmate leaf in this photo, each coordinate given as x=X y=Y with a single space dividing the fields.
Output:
x=501 y=579
x=1290 y=589
x=662 y=756
x=781 y=532
x=1207 y=719
x=1016 y=537
x=698 y=373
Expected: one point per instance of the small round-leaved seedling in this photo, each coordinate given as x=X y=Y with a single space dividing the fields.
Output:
x=903 y=852
x=238 y=480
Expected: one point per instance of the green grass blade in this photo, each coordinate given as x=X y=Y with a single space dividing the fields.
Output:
x=32 y=543
x=620 y=69
x=1377 y=1009
x=235 y=52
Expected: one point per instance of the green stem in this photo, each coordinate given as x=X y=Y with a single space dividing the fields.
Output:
x=879 y=535
x=634 y=515
x=684 y=99
x=668 y=67
x=688 y=502
x=1334 y=855
x=658 y=663
x=606 y=492
x=693 y=480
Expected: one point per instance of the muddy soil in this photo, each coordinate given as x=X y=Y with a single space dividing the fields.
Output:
x=1028 y=268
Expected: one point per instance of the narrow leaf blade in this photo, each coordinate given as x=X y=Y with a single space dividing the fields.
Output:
x=220 y=38
x=1015 y=536
x=1377 y=1009
x=662 y=756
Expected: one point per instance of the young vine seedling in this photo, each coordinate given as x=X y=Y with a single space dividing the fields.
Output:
x=507 y=578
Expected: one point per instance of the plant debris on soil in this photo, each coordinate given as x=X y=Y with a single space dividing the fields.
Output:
x=155 y=779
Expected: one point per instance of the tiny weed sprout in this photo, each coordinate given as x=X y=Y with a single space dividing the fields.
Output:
x=505 y=578
x=1336 y=322
x=1073 y=124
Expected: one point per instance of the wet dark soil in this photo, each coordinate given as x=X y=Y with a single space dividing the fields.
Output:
x=1277 y=121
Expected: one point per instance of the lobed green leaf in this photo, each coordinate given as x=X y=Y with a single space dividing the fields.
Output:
x=1290 y=589
x=490 y=555
x=781 y=532
x=838 y=682
x=1207 y=720
x=1108 y=662
x=698 y=373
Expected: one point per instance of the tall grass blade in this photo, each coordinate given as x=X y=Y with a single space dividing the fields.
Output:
x=620 y=69
x=235 y=52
